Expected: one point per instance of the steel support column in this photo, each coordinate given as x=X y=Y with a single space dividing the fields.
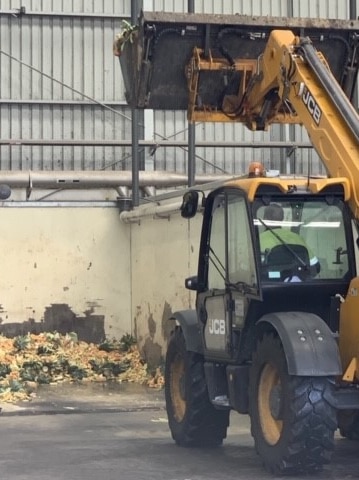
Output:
x=353 y=9
x=191 y=133
x=354 y=16
x=135 y=10
x=287 y=132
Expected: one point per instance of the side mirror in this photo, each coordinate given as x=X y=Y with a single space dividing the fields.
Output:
x=189 y=204
x=191 y=283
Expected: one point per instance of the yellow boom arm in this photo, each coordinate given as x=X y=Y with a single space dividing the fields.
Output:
x=291 y=83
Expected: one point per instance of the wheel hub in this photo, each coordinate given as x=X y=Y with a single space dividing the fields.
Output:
x=270 y=404
x=182 y=387
x=276 y=402
x=177 y=386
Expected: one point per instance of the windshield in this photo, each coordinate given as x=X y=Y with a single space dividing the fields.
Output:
x=302 y=240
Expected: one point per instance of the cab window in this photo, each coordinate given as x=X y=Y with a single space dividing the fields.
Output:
x=311 y=232
x=231 y=257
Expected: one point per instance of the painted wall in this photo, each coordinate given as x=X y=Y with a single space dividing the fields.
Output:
x=65 y=268
x=78 y=267
x=164 y=251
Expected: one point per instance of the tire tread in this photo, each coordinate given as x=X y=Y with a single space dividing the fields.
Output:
x=308 y=441
x=203 y=425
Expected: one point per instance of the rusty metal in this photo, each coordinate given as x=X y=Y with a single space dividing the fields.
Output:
x=198 y=65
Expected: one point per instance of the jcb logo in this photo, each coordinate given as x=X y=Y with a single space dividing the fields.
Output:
x=217 y=327
x=311 y=105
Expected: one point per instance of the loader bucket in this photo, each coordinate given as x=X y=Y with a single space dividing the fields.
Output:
x=156 y=59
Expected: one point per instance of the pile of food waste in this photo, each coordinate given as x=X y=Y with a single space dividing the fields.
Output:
x=28 y=361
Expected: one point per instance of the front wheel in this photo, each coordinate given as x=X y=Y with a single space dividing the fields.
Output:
x=291 y=422
x=192 y=418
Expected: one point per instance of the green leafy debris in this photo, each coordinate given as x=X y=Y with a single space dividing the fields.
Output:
x=22 y=342
x=49 y=358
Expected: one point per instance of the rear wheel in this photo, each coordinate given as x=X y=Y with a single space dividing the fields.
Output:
x=291 y=422
x=192 y=419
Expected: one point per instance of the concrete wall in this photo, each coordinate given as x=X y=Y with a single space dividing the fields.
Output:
x=78 y=267
x=164 y=251
x=65 y=268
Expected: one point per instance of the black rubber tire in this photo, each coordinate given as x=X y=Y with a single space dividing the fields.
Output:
x=193 y=420
x=292 y=423
x=348 y=423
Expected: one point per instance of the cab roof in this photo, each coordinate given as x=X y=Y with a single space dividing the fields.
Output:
x=290 y=185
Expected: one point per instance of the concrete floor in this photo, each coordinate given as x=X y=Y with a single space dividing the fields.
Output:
x=97 y=433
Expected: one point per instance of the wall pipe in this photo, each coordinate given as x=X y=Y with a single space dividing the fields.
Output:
x=81 y=103
x=153 y=210
x=21 y=13
x=98 y=179
x=149 y=143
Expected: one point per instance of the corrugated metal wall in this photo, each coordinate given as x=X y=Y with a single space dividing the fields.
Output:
x=69 y=44
x=321 y=9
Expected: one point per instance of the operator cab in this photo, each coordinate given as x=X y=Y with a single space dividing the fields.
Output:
x=300 y=259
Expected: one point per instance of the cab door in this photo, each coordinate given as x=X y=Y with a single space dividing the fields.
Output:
x=228 y=271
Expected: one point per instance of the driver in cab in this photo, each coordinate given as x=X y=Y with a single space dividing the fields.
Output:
x=288 y=244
